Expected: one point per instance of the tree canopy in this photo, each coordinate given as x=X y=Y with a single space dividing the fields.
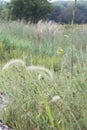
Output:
x=35 y=10
x=63 y=12
x=32 y=10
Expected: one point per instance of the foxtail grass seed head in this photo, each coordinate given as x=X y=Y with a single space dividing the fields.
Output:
x=12 y=62
x=40 y=68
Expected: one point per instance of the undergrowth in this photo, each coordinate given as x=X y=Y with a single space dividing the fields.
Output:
x=36 y=101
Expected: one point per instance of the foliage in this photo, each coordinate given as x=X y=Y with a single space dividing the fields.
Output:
x=4 y=11
x=63 y=12
x=32 y=10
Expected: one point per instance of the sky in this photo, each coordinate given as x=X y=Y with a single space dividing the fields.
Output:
x=7 y=0
x=49 y=0
x=52 y=1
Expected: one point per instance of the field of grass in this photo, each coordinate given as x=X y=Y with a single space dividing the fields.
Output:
x=43 y=76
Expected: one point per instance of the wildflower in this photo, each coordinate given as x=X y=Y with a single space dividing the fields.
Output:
x=67 y=36
x=40 y=77
x=68 y=75
x=60 y=51
x=55 y=98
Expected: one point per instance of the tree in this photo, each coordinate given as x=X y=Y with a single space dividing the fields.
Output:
x=32 y=10
x=66 y=16
x=4 y=11
x=74 y=11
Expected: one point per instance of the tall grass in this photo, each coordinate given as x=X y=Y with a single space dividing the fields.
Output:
x=36 y=102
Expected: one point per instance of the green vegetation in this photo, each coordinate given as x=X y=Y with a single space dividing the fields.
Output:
x=28 y=10
x=35 y=101
x=64 y=12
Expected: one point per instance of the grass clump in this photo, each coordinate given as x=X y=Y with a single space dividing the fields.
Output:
x=46 y=90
